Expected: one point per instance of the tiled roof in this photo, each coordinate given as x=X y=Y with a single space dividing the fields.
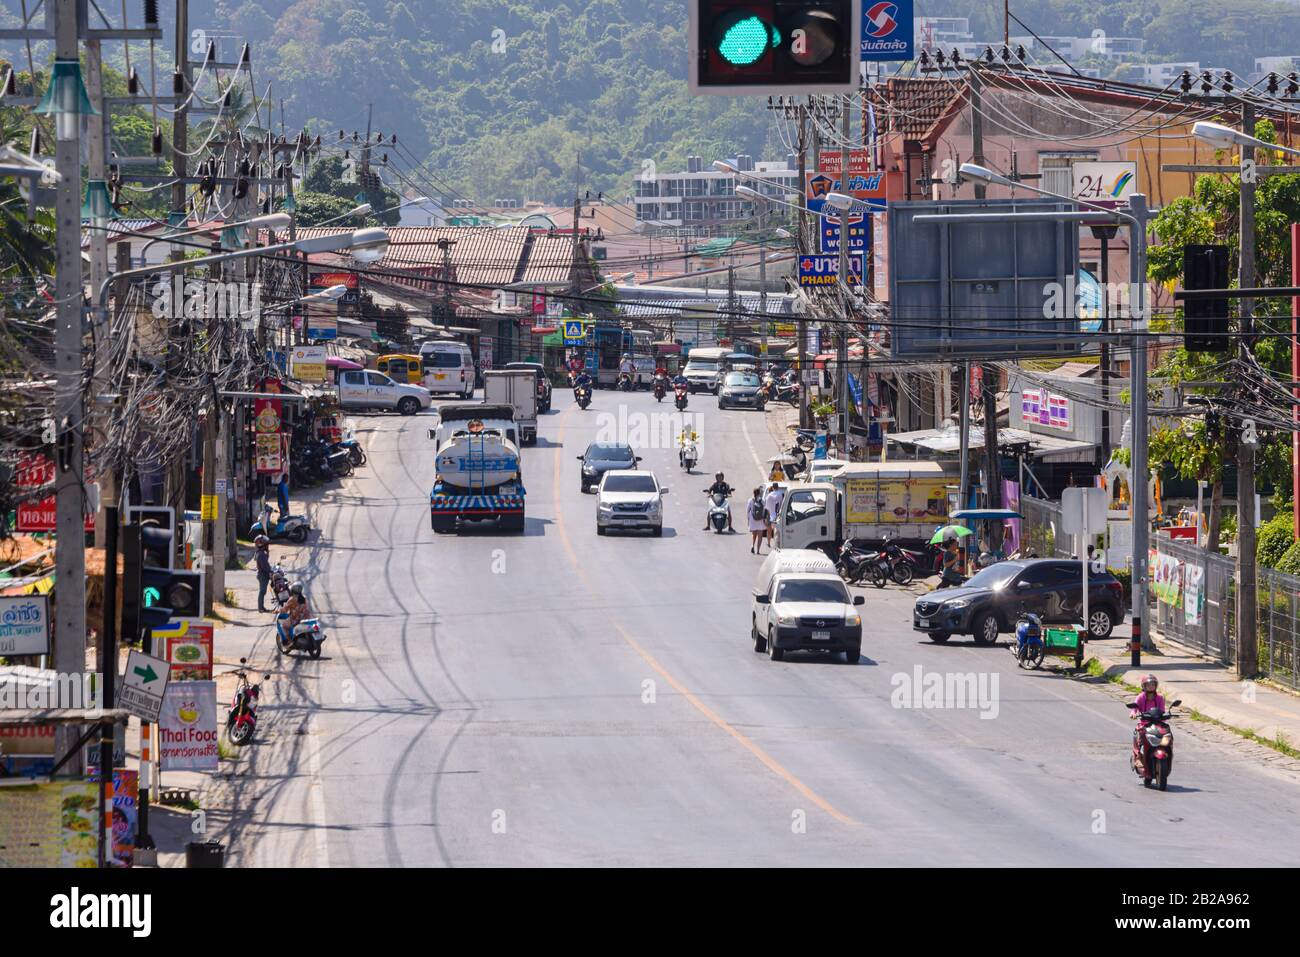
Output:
x=910 y=105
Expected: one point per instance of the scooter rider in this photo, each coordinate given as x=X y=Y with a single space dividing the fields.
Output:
x=295 y=607
x=719 y=487
x=263 y=558
x=1150 y=697
x=687 y=436
x=583 y=380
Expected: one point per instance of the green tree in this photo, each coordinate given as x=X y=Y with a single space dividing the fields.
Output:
x=313 y=209
x=1211 y=215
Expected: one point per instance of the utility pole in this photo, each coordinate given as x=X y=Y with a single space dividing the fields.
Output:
x=802 y=325
x=180 y=129
x=70 y=553
x=963 y=488
x=1137 y=253
x=1247 y=626
x=1105 y=234
x=95 y=164
x=988 y=374
x=842 y=354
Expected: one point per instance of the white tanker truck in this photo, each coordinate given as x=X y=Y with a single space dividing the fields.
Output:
x=477 y=467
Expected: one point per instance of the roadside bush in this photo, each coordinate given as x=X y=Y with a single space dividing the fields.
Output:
x=1273 y=539
x=1289 y=563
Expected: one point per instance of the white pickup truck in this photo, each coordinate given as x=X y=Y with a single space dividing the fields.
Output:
x=516 y=388
x=366 y=389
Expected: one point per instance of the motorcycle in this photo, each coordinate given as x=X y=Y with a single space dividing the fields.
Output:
x=679 y=397
x=583 y=394
x=901 y=568
x=625 y=383
x=306 y=636
x=661 y=387
x=1028 y=647
x=719 y=515
x=852 y=562
x=292 y=527
x=1153 y=745
x=241 y=719
x=279 y=586
x=688 y=456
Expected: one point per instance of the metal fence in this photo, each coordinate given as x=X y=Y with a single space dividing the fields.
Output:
x=1040 y=531
x=1197 y=607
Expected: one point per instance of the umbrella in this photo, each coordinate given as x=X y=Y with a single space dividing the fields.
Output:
x=949 y=531
x=338 y=362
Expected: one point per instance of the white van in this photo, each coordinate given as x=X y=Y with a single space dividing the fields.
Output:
x=448 y=368
x=367 y=389
x=787 y=560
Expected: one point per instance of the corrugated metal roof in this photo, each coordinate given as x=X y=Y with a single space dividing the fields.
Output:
x=480 y=255
x=550 y=259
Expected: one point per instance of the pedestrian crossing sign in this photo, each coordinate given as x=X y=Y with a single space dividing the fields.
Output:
x=575 y=332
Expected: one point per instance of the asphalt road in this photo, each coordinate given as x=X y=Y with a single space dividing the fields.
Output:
x=562 y=699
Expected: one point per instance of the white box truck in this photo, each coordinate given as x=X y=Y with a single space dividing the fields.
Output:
x=867 y=501
x=516 y=388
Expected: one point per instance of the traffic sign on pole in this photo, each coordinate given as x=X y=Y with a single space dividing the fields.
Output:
x=142 y=687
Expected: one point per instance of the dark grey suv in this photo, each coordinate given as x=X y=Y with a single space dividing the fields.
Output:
x=602 y=457
x=991 y=601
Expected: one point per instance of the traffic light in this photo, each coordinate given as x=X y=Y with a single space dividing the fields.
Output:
x=775 y=46
x=153 y=592
x=1205 y=321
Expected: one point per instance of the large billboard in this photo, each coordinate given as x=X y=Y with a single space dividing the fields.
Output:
x=983 y=290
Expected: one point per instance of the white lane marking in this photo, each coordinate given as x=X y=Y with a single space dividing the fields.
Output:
x=762 y=472
x=317 y=786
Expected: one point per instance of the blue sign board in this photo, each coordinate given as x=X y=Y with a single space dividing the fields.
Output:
x=887 y=30
x=822 y=270
x=575 y=332
x=859 y=235
x=327 y=333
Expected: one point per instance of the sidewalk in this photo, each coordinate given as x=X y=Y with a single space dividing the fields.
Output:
x=226 y=796
x=1206 y=686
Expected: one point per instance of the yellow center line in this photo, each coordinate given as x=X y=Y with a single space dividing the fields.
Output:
x=746 y=742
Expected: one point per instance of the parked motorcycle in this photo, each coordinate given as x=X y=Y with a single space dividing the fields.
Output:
x=583 y=394
x=241 y=719
x=679 y=397
x=1028 y=646
x=852 y=561
x=307 y=636
x=661 y=387
x=279 y=586
x=292 y=527
x=1153 y=745
x=901 y=569
x=718 y=513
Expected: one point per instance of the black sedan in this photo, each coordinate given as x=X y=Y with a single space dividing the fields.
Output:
x=991 y=601
x=602 y=457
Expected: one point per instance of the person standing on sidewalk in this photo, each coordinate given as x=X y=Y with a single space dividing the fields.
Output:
x=262 y=555
x=282 y=495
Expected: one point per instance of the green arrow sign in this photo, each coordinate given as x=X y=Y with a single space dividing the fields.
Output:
x=147 y=673
x=151 y=596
